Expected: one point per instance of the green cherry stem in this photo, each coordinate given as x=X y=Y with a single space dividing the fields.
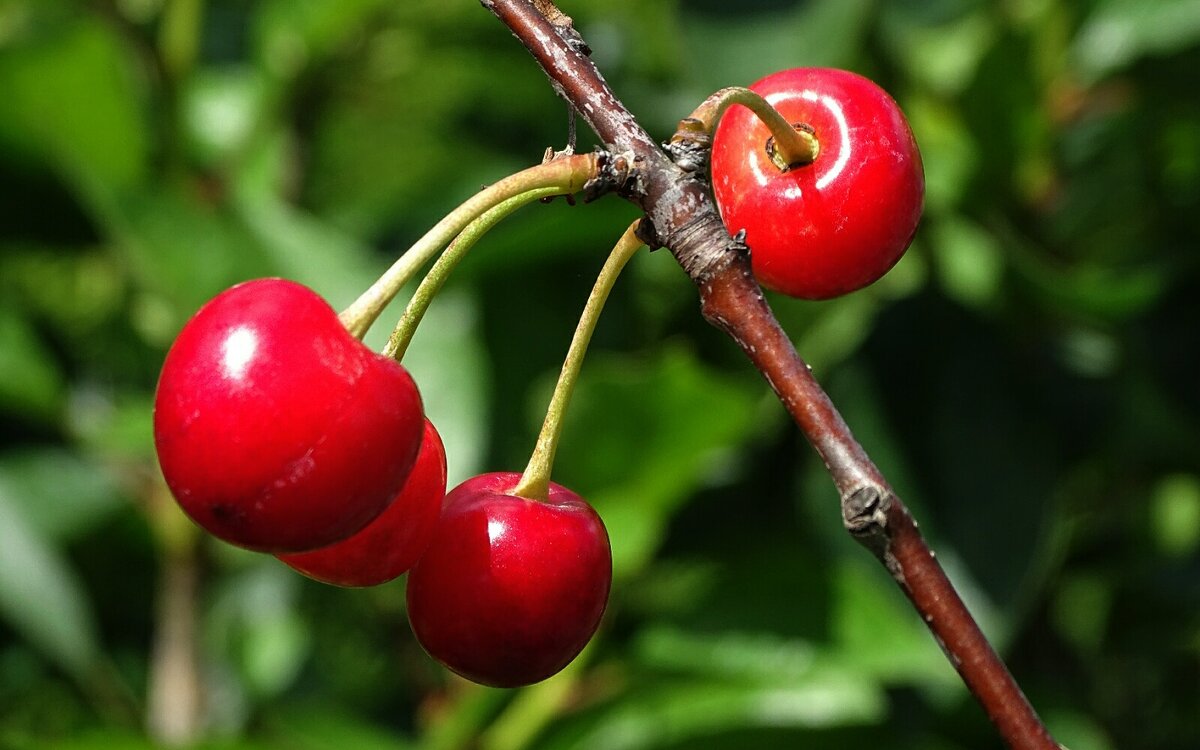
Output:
x=566 y=175
x=535 y=482
x=436 y=277
x=791 y=146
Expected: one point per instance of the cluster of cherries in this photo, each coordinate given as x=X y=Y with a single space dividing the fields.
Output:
x=279 y=431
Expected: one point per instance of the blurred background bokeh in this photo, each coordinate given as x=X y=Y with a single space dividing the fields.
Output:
x=1027 y=376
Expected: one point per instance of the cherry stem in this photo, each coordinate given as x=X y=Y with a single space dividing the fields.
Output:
x=446 y=263
x=791 y=146
x=535 y=482
x=566 y=174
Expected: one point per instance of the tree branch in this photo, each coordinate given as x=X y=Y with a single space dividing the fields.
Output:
x=680 y=215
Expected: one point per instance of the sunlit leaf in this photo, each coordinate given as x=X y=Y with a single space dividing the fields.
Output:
x=41 y=597
x=222 y=110
x=939 y=53
x=671 y=713
x=61 y=494
x=970 y=262
x=735 y=656
x=1176 y=514
x=1120 y=31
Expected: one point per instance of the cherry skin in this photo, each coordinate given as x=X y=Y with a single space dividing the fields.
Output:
x=391 y=544
x=834 y=225
x=510 y=590
x=277 y=430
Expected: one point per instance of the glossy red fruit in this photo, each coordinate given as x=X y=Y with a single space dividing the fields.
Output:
x=391 y=544
x=276 y=429
x=826 y=228
x=510 y=590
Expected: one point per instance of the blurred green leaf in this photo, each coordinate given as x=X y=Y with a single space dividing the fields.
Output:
x=1175 y=514
x=834 y=331
x=949 y=152
x=76 y=290
x=642 y=434
x=30 y=381
x=738 y=657
x=72 y=98
x=182 y=249
x=875 y=630
x=940 y=53
x=970 y=262
x=117 y=426
x=222 y=111
x=60 y=494
x=106 y=740
x=254 y=624
x=1081 y=611
x=820 y=33
x=451 y=367
x=291 y=34
x=41 y=597
x=299 y=245
x=321 y=727
x=1093 y=289
x=1118 y=32
x=115 y=739
x=669 y=714
x=1077 y=731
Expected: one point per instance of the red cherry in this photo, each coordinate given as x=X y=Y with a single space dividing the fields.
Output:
x=510 y=590
x=826 y=228
x=392 y=543
x=276 y=429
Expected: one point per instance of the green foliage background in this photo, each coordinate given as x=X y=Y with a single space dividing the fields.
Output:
x=1027 y=376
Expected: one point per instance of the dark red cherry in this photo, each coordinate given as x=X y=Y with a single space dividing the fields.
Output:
x=277 y=430
x=391 y=544
x=510 y=590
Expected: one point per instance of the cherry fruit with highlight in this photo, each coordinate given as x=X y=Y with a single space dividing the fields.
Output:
x=510 y=589
x=277 y=430
x=825 y=228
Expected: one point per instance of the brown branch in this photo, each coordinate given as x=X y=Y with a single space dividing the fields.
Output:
x=681 y=216
x=872 y=512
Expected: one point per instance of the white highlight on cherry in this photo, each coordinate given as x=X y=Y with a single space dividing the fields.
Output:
x=236 y=352
x=755 y=163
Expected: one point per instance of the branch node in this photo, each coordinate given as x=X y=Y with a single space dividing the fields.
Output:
x=616 y=172
x=864 y=514
x=564 y=25
x=737 y=243
x=646 y=233
x=864 y=510
x=690 y=147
